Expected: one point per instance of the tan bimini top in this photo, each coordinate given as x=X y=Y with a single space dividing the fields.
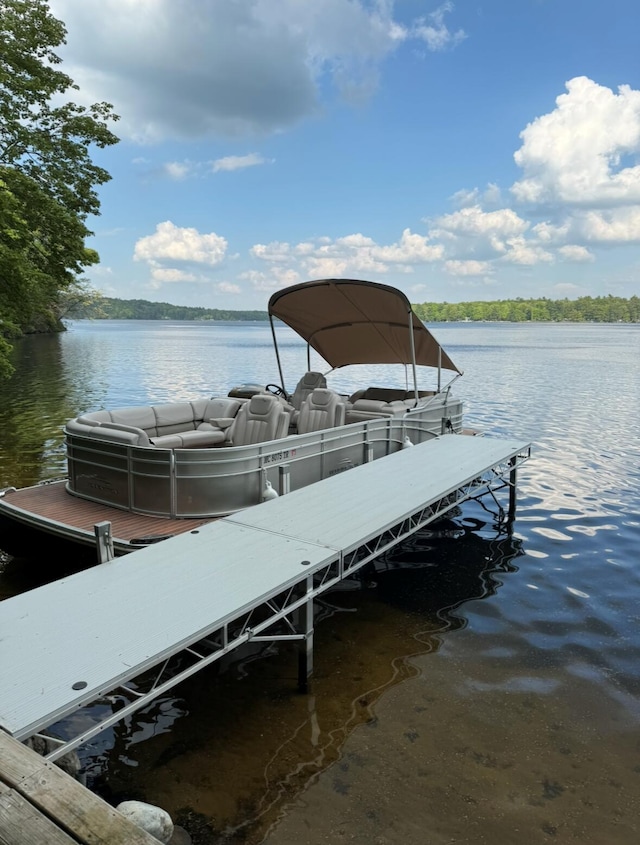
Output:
x=348 y=321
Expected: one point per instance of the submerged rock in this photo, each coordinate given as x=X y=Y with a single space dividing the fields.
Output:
x=43 y=745
x=154 y=820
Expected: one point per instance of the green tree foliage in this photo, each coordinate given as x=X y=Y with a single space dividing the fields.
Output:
x=48 y=180
x=602 y=309
x=599 y=309
x=106 y=308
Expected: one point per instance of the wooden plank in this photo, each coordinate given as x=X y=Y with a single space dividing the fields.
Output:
x=57 y=795
x=22 y=824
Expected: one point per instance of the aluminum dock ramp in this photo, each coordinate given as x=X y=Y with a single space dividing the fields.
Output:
x=248 y=577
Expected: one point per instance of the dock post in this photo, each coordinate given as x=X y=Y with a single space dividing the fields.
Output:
x=512 y=493
x=284 y=473
x=305 y=647
x=104 y=541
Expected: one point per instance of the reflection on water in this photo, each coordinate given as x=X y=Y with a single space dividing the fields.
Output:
x=475 y=687
x=250 y=741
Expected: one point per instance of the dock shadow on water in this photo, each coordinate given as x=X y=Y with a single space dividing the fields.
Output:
x=236 y=745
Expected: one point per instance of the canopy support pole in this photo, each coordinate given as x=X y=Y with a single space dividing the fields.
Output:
x=275 y=346
x=412 y=345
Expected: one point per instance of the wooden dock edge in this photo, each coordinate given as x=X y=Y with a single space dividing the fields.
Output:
x=40 y=803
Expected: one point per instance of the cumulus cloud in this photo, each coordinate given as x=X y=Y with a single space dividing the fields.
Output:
x=475 y=221
x=176 y=244
x=580 y=173
x=616 y=226
x=491 y=196
x=575 y=252
x=194 y=69
x=274 y=251
x=176 y=254
x=519 y=251
x=474 y=234
x=228 y=287
x=468 y=268
x=350 y=254
x=238 y=162
x=453 y=244
x=275 y=278
x=160 y=275
x=577 y=155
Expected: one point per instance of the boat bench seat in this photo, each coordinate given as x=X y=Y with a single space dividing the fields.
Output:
x=374 y=402
x=173 y=425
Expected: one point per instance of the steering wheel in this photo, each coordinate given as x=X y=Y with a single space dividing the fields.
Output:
x=276 y=390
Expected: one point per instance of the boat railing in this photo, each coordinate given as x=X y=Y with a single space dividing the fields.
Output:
x=216 y=481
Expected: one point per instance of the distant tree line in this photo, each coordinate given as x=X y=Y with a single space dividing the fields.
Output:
x=106 y=308
x=599 y=309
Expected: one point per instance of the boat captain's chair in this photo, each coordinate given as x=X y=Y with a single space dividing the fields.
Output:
x=305 y=387
x=263 y=417
x=321 y=409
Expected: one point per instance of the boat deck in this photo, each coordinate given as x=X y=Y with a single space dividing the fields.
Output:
x=204 y=593
x=66 y=515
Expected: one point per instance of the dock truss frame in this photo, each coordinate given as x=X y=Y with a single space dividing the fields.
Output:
x=287 y=616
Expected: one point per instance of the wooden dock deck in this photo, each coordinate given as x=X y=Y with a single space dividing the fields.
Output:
x=251 y=576
x=42 y=805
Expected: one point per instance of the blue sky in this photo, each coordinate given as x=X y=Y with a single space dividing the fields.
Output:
x=483 y=149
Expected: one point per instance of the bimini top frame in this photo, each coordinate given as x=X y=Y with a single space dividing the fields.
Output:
x=348 y=321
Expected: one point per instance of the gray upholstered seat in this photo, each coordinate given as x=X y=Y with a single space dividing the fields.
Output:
x=263 y=417
x=321 y=409
x=305 y=387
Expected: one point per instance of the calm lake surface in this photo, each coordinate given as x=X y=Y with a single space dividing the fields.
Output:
x=469 y=687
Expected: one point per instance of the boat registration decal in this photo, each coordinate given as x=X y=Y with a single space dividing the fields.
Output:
x=276 y=457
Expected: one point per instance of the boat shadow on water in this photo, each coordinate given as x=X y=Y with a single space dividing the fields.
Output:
x=239 y=742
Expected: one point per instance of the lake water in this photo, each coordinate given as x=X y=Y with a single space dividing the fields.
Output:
x=470 y=687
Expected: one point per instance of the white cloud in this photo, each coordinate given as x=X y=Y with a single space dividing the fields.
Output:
x=549 y=233
x=238 y=162
x=519 y=251
x=276 y=278
x=491 y=196
x=435 y=33
x=177 y=170
x=576 y=154
x=410 y=249
x=468 y=268
x=474 y=221
x=474 y=234
x=618 y=226
x=175 y=254
x=274 y=251
x=228 y=287
x=194 y=69
x=351 y=254
x=575 y=252
x=356 y=241
x=173 y=243
x=168 y=274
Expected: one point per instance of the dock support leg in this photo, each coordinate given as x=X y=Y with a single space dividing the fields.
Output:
x=305 y=648
x=512 y=494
